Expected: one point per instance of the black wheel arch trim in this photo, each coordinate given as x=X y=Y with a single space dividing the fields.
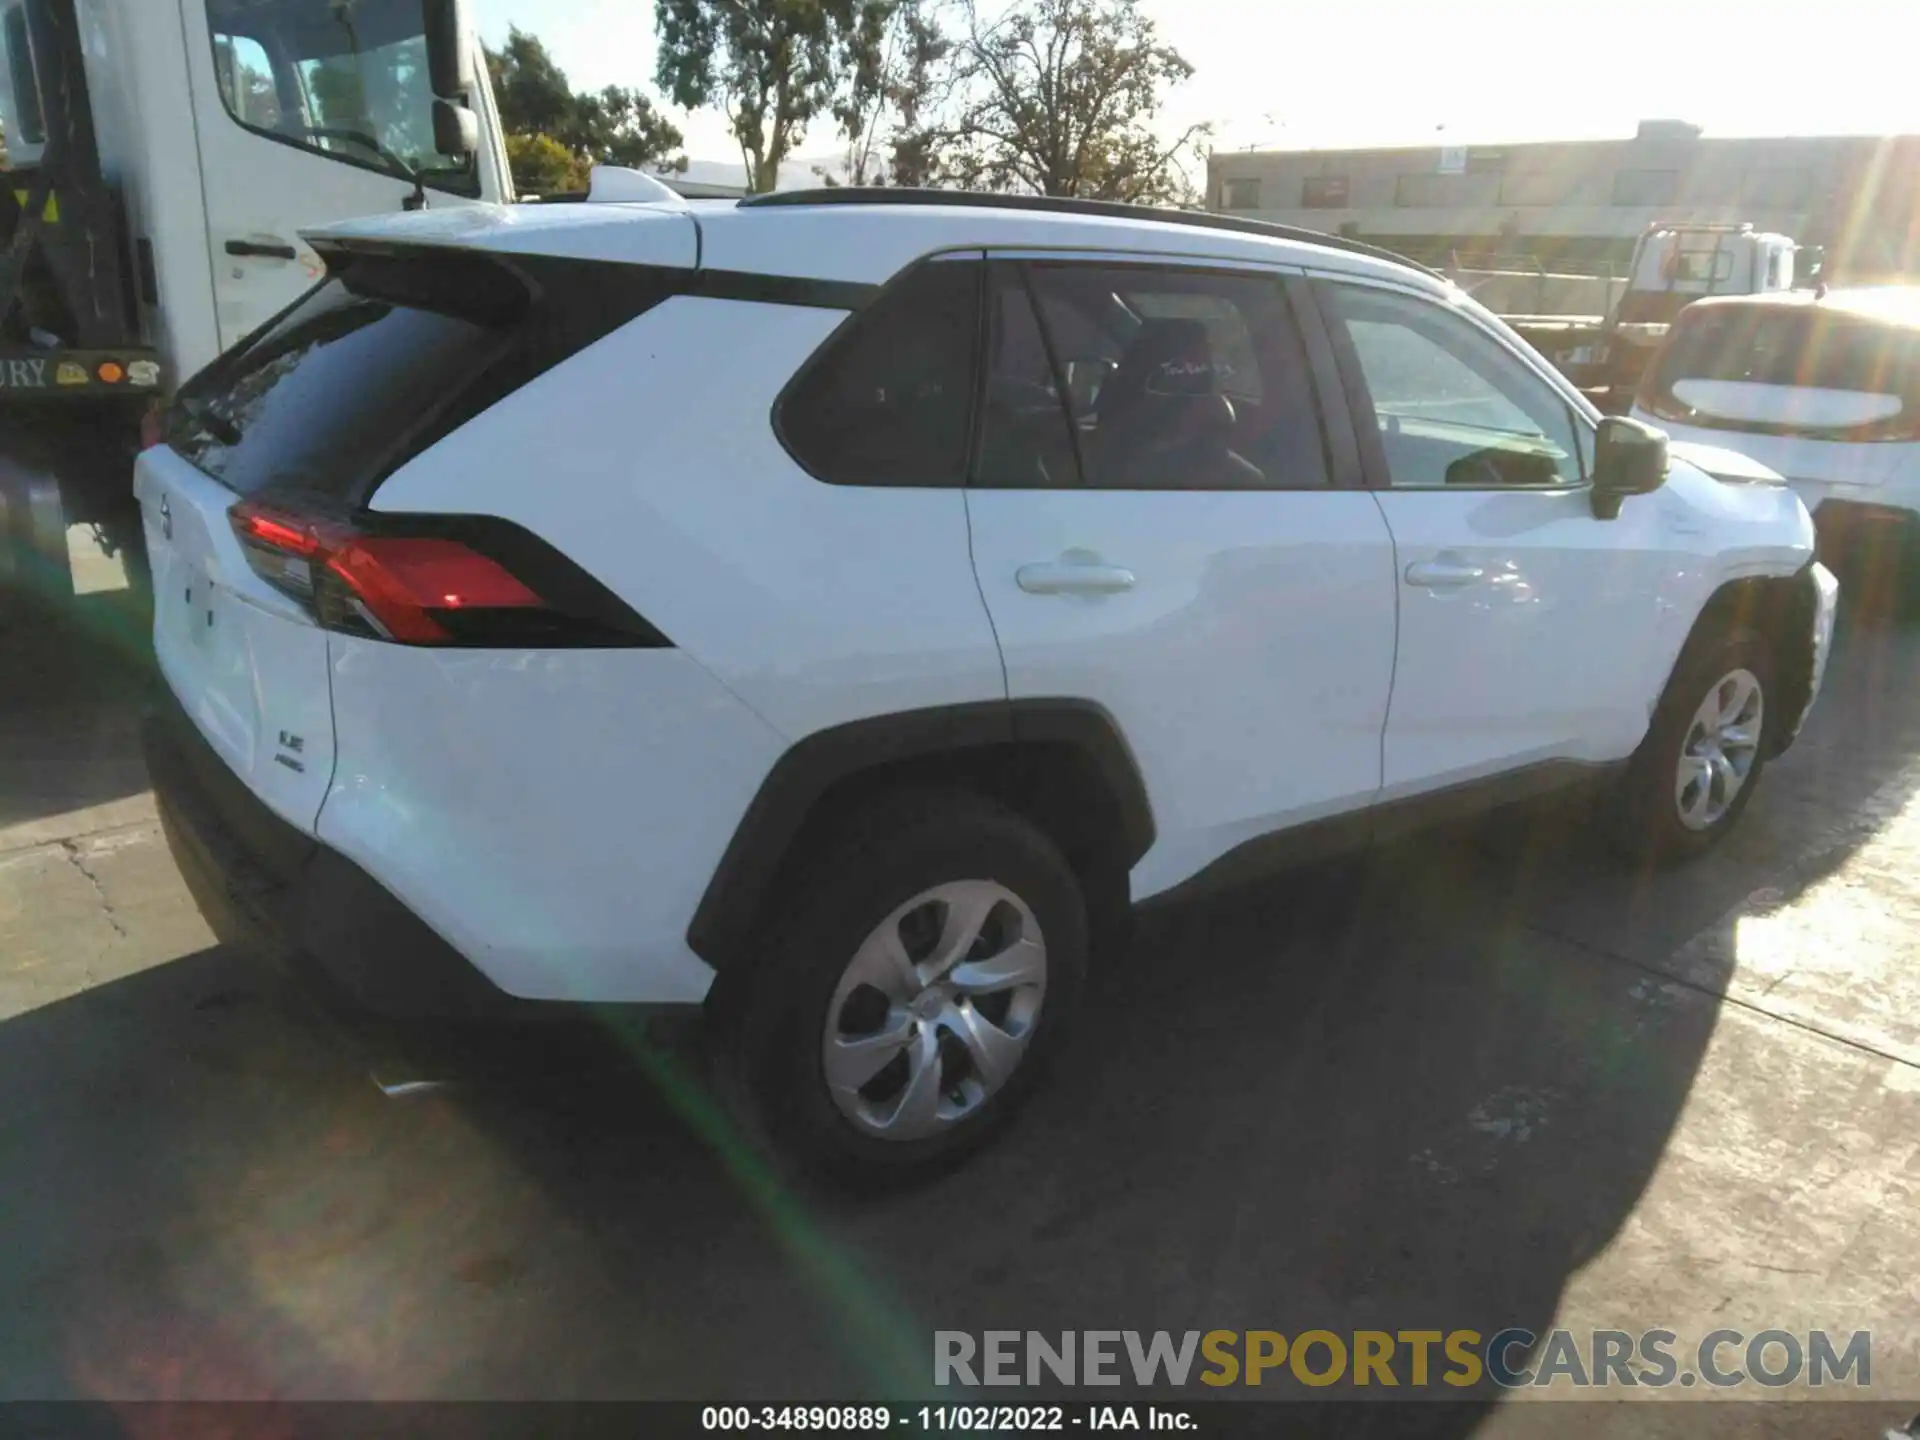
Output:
x=1780 y=609
x=762 y=842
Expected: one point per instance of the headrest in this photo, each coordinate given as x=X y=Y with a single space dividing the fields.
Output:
x=1180 y=358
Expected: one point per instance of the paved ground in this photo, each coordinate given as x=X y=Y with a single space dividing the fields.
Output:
x=1479 y=1080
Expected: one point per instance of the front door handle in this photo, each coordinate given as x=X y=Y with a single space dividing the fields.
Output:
x=1073 y=577
x=262 y=250
x=1442 y=574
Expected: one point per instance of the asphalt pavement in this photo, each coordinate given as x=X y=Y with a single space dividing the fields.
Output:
x=1483 y=1078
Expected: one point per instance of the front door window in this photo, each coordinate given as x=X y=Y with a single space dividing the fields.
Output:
x=1451 y=407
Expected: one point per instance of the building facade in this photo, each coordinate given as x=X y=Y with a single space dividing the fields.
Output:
x=1582 y=204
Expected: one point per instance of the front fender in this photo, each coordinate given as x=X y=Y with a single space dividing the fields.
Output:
x=1741 y=547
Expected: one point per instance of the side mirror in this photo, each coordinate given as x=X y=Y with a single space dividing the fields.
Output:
x=450 y=49
x=1628 y=459
x=456 y=129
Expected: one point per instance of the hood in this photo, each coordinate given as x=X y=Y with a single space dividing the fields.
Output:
x=1723 y=464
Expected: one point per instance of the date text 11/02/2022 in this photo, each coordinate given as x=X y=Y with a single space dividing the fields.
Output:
x=936 y=1419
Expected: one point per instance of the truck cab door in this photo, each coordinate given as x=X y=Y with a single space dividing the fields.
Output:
x=306 y=111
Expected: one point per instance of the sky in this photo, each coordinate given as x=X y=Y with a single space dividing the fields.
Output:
x=1402 y=72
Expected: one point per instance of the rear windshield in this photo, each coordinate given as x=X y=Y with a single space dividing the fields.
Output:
x=390 y=353
x=1719 y=356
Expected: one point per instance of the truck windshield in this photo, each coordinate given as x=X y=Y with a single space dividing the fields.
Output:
x=26 y=130
x=349 y=81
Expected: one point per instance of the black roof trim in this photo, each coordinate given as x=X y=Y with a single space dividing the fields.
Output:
x=1056 y=205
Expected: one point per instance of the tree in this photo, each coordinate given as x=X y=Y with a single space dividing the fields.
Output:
x=621 y=127
x=531 y=91
x=543 y=166
x=557 y=134
x=1057 y=97
x=896 y=73
x=772 y=65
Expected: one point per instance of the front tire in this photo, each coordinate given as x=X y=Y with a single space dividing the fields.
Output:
x=918 y=976
x=1701 y=760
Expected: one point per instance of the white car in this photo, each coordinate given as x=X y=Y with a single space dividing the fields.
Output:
x=833 y=610
x=1821 y=387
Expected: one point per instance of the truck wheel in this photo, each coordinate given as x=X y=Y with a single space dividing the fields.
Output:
x=920 y=973
x=1698 y=766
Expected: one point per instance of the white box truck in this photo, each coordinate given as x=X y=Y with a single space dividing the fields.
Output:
x=163 y=157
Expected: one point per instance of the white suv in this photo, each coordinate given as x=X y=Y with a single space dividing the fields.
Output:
x=834 y=609
x=1823 y=388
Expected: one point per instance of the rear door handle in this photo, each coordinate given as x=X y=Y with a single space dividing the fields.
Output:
x=262 y=250
x=1069 y=577
x=1442 y=574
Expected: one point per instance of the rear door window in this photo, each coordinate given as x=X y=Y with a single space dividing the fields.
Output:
x=1176 y=378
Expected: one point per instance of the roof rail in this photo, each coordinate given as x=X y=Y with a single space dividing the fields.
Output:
x=1057 y=205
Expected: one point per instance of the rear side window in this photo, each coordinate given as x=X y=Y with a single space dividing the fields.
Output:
x=1790 y=370
x=889 y=399
x=389 y=354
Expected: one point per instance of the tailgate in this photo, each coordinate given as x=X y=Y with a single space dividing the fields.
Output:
x=245 y=662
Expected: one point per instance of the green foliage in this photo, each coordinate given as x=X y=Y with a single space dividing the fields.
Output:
x=897 y=72
x=1057 y=97
x=771 y=65
x=555 y=134
x=543 y=166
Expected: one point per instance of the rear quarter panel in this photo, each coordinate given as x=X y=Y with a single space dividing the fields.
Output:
x=651 y=460
x=554 y=816
x=557 y=815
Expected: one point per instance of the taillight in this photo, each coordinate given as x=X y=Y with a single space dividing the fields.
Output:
x=426 y=589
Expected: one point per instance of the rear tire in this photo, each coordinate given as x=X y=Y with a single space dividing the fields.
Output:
x=876 y=1039
x=1701 y=760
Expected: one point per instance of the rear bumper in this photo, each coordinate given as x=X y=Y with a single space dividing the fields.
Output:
x=265 y=887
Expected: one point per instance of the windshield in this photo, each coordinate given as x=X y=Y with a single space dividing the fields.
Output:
x=350 y=81
x=1815 y=349
x=26 y=130
x=1733 y=362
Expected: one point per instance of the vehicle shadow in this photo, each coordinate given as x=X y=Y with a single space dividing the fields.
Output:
x=1418 y=1090
x=75 y=674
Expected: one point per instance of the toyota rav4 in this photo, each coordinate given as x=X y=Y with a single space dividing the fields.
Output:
x=835 y=610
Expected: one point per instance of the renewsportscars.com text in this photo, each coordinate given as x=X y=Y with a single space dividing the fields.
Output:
x=1403 y=1359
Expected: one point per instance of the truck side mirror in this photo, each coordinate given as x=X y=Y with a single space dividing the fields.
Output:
x=456 y=129
x=1628 y=459
x=450 y=49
